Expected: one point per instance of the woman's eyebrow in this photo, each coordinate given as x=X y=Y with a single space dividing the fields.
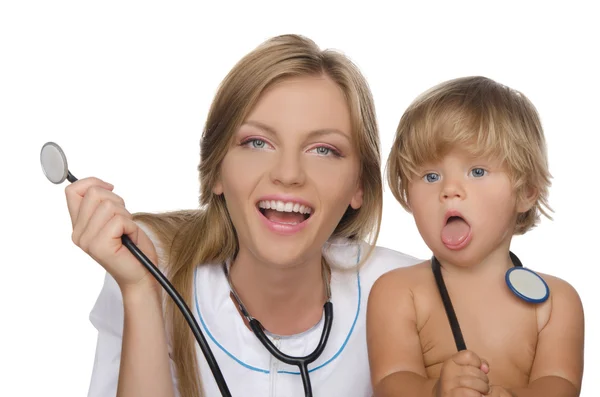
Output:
x=311 y=134
x=329 y=131
x=261 y=126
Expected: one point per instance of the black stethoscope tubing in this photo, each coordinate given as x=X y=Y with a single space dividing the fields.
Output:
x=450 y=313
x=183 y=307
x=300 y=362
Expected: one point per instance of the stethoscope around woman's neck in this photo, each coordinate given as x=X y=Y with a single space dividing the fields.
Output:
x=524 y=283
x=300 y=362
x=55 y=167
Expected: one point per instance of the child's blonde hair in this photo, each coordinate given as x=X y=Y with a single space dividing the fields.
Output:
x=486 y=119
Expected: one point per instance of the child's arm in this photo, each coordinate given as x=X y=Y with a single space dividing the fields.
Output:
x=395 y=356
x=558 y=365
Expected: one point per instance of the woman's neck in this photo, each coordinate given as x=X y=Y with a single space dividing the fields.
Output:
x=286 y=300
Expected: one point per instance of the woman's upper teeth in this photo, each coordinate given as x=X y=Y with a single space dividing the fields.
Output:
x=284 y=206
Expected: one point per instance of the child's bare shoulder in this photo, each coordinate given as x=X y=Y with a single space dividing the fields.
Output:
x=554 y=281
x=564 y=301
x=405 y=279
x=561 y=290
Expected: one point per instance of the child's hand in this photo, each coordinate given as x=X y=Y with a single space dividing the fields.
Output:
x=463 y=375
x=499 y=391
x=99 y=220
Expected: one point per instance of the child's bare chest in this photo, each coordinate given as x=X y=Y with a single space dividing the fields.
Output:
x=496 y=325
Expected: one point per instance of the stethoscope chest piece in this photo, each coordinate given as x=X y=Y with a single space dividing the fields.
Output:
x=527 y=285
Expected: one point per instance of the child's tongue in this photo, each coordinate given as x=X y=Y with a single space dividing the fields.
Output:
x=284 y=217
x=455 y=231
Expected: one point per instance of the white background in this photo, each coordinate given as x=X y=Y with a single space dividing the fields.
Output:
x=124 y=88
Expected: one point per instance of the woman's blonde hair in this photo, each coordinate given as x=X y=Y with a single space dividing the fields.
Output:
x=207 y=235
x=486 y=119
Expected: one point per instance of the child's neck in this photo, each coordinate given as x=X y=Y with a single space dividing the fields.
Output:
x=492 y=264
x=286 y=300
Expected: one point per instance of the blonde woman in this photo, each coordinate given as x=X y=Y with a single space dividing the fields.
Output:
x=291 y=198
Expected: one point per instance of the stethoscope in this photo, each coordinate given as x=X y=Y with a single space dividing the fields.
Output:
x=524 y=283
x=300 y=362
x=55 y=167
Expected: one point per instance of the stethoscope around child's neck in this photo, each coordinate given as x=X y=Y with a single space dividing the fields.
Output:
x=524 y=283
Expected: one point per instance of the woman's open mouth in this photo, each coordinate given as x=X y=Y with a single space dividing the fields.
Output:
x=284 y=217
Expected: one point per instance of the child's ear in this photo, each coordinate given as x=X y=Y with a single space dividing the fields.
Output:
x=527 y=199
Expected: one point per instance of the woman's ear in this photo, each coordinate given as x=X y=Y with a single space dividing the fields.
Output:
x=407 y=201
x=357 y=200
x=218 y=187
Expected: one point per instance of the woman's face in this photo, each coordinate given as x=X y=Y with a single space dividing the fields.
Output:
x=291 y=171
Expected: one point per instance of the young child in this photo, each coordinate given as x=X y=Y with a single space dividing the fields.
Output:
x=469 y=161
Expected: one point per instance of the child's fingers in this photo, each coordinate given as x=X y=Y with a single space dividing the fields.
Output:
x=467 y=357
x=485 y=367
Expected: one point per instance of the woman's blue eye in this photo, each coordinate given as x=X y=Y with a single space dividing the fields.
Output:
x=478 y=172
x=431 y=177
x=258 y=143
x=323 y=151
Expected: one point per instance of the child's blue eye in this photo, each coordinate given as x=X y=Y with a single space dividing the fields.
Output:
x=431 y=177
x=478 y=172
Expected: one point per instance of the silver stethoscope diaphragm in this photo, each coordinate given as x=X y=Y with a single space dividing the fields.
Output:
x=54 y=164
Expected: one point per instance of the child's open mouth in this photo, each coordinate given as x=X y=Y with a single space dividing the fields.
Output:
x=456 y=232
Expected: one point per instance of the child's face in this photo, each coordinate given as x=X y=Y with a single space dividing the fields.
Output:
x=291 y=172
x=464 y=207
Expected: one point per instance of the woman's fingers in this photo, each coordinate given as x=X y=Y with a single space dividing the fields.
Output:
x=103 y=213
x=75 y=192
